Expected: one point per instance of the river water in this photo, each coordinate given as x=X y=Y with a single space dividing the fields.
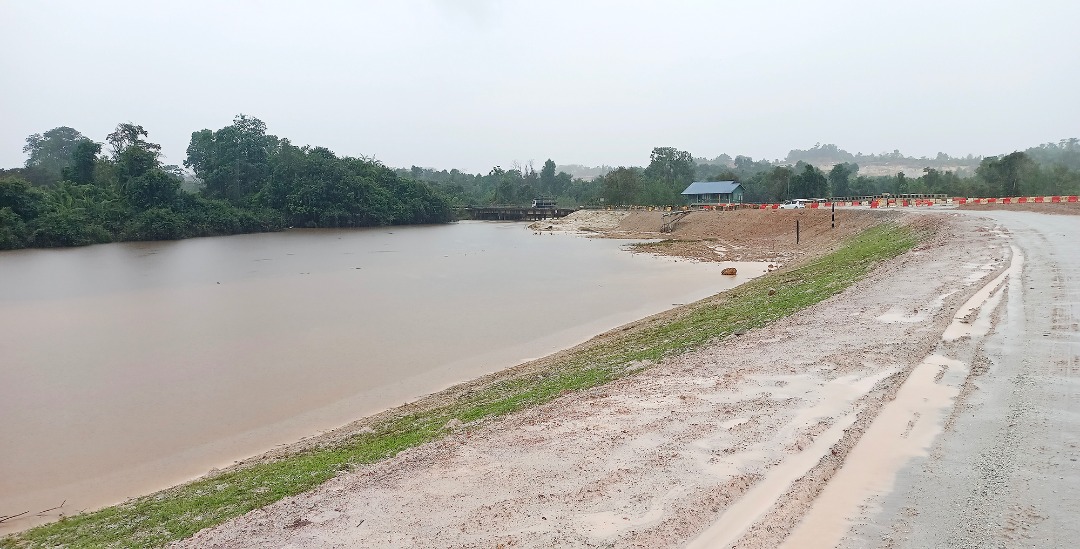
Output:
x=130 y=367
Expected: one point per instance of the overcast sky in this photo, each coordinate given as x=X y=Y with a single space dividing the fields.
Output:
x=472 y=84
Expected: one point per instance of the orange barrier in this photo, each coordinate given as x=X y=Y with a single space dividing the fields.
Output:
x=1008 y=200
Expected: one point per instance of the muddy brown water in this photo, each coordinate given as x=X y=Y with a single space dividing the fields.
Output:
x=126 y=368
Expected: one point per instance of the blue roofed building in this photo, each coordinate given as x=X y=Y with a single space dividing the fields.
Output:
x=714 y=192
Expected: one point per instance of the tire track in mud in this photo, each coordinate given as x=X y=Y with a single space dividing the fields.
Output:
x=1004 y=473
x=830 y=482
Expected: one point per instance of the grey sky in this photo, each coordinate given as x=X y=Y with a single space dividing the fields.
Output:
x=473 y=84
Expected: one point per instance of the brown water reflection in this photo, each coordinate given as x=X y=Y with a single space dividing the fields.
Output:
x=125 y=368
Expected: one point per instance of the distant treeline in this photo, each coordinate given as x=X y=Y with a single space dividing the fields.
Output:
x=1053 y=168
x=244 y=180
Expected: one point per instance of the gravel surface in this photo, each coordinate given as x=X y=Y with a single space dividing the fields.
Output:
x=745 y=433
x=1005 y=471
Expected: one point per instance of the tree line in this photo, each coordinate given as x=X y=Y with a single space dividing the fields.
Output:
x=1052 y=168
x=242 y=179
x=71 y=193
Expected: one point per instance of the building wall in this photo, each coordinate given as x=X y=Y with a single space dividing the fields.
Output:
x=724 y=198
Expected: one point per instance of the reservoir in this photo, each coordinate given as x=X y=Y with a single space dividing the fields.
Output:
x=130 y=367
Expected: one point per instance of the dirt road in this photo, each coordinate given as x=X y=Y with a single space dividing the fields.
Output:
x=932 y=404
x=1006 y=473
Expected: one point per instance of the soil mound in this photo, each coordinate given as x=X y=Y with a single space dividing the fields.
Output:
x=747 y=235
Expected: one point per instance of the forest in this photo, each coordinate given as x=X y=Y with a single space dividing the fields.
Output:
x=241 y=180
x=75 y=191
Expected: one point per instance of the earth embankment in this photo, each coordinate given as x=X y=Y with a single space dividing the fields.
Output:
x=739 y=235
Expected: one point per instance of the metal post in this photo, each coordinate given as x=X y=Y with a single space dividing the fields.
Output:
x=796 y=231
x=834 y=215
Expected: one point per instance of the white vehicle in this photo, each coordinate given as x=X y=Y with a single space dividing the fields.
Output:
x=797 y=204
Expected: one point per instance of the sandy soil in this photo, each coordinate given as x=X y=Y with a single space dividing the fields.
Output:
x=740 y=235
x=729 y=445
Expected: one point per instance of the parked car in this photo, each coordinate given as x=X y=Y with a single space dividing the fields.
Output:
x=796 y=204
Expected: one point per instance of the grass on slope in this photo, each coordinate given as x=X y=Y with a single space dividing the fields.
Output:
x=179 y=512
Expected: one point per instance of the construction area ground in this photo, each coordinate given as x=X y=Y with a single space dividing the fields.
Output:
x=935 y=403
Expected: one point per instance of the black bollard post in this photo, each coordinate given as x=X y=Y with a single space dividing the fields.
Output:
x=834 y=215
x=796 y=231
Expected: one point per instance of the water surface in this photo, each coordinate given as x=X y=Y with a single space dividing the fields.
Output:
x=129 y=367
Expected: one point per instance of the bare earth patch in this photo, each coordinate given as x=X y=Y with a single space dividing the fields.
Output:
x=740 y=235
x=747 y=430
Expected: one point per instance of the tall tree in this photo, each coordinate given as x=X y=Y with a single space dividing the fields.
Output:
x=130 y=135
x=547 y=178
x=840 y=178
x=623 y=186
x=672 y=167
x=83 y=161
x=810 y=183
x=777 y=183
x=234 y=162
x=1006 y=174
x=140 y=176
x=51 y=152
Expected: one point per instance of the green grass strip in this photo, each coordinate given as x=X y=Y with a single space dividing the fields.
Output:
x=179 y=512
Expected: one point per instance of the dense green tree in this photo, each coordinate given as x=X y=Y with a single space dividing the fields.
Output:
x=776 y=184
x=809 y=183
x=268 y=183
x=623 y=186
x=51 y=152
x=1007 y=174
x=17 y=195
x=671 y=167
x=14 y=233
x=840 y=178
x=127 y=135
x=548 y=181
x=902 y=184
x=83 y=162
x=234 y=162
x=153 y=189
